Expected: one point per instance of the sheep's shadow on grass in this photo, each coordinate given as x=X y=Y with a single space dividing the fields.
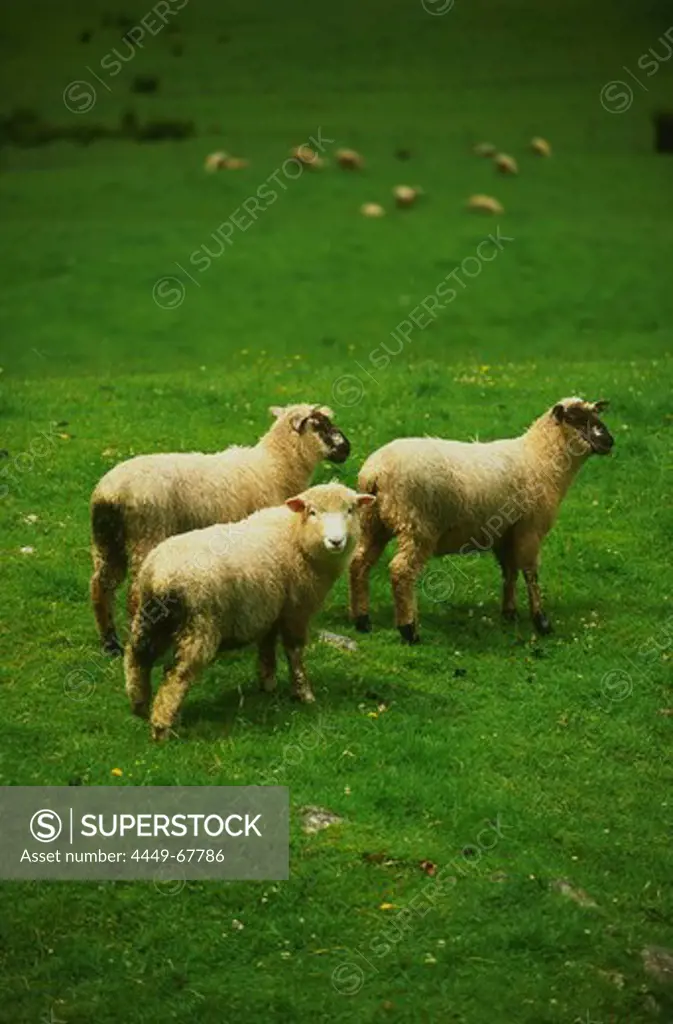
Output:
x=216 y=703
x=228 y=694
x=460 y=624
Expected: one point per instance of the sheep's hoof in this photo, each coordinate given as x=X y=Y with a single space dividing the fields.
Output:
x=363 y=624
x=304 y=696
x=409 y=633
x=140 y=708
x=112 y=647
x=160 y=733
x=542 y=624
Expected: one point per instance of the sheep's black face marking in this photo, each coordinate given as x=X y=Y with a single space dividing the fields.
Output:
x=585 y=420
x=337 y=444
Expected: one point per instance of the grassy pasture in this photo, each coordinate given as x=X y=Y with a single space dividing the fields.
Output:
x=559 y=743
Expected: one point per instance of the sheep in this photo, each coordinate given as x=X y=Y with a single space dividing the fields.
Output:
x=372 y=210
x=484 y=204
x=231 y=585
x=307 y=157
x=405 y=195
x=540 y=146
x=215 y=162
x=448 y=497
x=143 y=501
x=505 y=164
x=349 y=160
x=222 y=161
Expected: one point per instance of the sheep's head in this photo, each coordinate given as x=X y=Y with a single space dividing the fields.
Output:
x=313 y=423
x=330 y=520
x=580 y=419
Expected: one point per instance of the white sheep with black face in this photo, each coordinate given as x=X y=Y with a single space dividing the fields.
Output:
x=141 y=502
x=228 y=586
x=440 y=497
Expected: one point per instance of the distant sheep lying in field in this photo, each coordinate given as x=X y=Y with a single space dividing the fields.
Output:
x=232 y=585
x=447 y=497
x=143 y=501
x=485 y=204
x=505 y=164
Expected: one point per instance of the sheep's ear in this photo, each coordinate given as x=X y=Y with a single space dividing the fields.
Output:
x=366 y=499
x=276 y=410
x=326 y=411
x=601 y=405
x=297 y=504
x=298 y=422
x=558 y=412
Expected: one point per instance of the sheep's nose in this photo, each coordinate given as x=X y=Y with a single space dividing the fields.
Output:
x=341 y=449
x=336 y=544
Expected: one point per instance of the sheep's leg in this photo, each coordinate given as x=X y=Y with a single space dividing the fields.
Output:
x=132 y=600
x=138 y=672
x=509 y=575
x=193 y=652
x=372 y=544
x=405 y=569
x=151 y=635
x=540 y=620
x=267 y=660
x=133 y=597
x=294 y=642
x=527 y=549
x=107 y=576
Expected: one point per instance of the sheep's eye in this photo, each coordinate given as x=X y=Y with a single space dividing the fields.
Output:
x=351 y=510
x=312 y=513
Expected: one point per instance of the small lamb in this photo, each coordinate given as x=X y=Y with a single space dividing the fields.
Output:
x=447 y=497
x=232 y=585
x=143 y=501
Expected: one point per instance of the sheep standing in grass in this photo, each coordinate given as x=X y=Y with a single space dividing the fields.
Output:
x=143 y=501
x=236 y=584
x=447 y=497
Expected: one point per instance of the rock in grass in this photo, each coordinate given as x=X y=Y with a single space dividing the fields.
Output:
x=658 y=962
x=315 y=819
x=579 y=896
x=336 y=640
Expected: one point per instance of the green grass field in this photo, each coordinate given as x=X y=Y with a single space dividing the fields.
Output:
x=558 y=743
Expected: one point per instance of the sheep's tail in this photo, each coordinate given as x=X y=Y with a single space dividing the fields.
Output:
x=367 y=478
x=108 y=529
x=370 y=518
